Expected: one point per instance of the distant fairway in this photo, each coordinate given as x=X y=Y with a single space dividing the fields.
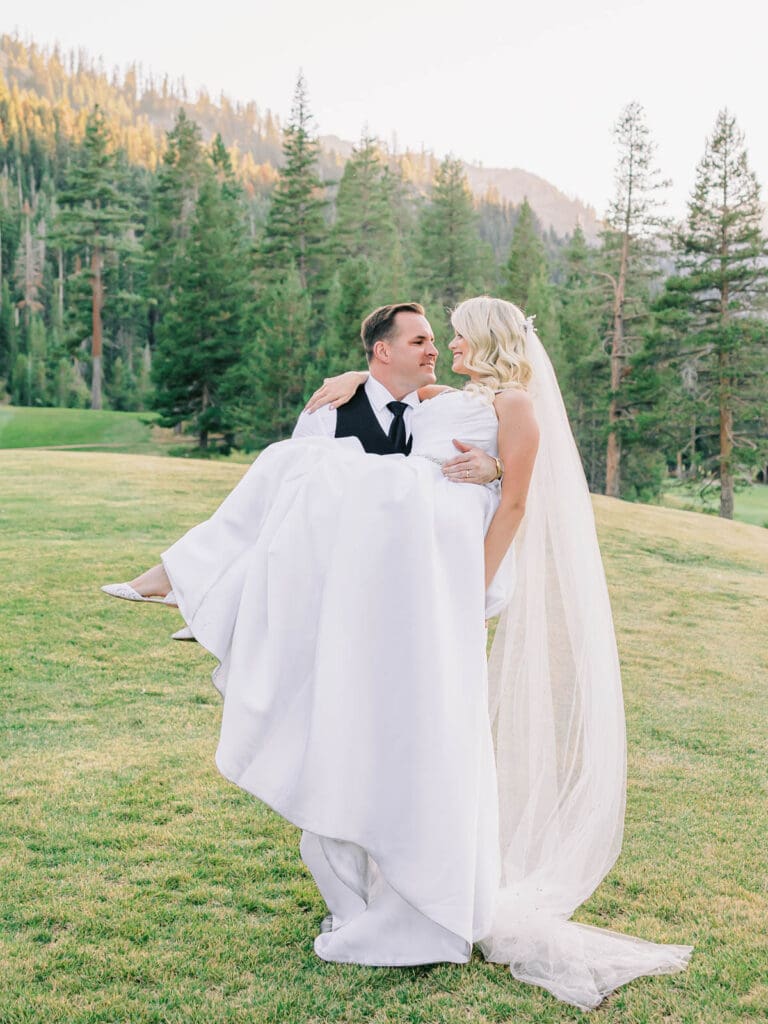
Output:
x=84 y=429
x=750 y=504
x=139 y=887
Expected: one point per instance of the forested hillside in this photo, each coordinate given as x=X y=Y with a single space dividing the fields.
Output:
x=199 y=258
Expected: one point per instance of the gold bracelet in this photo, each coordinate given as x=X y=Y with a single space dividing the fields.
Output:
x=499 y=468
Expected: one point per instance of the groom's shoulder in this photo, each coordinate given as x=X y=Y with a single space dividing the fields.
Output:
x=321 y=423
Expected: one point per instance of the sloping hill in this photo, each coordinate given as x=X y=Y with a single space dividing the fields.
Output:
x=553 y=208
x=139 y=885
x=27 y=427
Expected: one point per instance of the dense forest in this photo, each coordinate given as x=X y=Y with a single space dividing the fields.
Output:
x=205 y=261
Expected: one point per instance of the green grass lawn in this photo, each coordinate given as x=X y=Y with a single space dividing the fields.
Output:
x=750 y=504
x=139 y=886
x=22 y=427
x=88 y=430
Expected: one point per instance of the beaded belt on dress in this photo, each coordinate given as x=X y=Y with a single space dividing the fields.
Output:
x=432 y=458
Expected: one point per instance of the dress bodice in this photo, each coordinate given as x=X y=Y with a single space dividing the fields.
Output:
x=454 y=414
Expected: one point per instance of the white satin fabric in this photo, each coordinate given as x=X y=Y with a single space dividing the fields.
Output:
x=343 y=595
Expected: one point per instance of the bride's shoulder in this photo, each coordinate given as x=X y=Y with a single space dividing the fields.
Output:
x=514 y=406
x=513 y=399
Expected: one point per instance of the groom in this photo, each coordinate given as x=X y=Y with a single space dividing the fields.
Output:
x=400 y=348
x=401 y=353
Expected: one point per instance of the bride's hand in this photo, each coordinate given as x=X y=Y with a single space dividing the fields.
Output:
x=337 y=391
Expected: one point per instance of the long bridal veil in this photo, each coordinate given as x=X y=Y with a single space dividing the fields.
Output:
x=558 y=724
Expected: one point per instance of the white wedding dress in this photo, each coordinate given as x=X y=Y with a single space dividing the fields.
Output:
x=343 y=595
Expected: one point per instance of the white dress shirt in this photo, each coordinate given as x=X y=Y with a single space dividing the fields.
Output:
x=322 y=422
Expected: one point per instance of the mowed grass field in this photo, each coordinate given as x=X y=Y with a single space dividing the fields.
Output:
x=137 y=885
x=750 y=504
x=22 y=427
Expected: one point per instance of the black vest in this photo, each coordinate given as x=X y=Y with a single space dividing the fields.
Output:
x=357 y=419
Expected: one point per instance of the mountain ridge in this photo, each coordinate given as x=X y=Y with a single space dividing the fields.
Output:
x=147 y=105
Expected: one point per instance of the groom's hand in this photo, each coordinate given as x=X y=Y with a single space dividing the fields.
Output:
x=473 y=466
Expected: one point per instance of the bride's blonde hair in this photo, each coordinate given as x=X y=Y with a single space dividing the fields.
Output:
x=494 y=329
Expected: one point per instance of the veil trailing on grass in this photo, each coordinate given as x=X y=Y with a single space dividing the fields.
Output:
x=558 y=725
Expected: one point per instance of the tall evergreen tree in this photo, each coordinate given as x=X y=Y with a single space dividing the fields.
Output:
x=496 y=223
x=94 y=222
x=527 y=261
x=172 y=209
x=8 y=333
x=630 y=246
x=580 y=361
x=663 y=387
x=452 y=262
x=349 y=302
x=723 y=260
x=365 y=222
x=200 y=338
x=296 y=233
x=274 y=380
x=30 y=264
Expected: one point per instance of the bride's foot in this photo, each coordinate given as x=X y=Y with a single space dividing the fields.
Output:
x=127 y=593
x=152 y=583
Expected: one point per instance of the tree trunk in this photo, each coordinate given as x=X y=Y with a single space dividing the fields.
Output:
x=60 y=291
x=613 y=452
x=612 y=456
x=725 y=399
x=726 y=440
x=205 y=402
x=97 y=341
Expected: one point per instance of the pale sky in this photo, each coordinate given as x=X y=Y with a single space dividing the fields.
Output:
x=511 y=84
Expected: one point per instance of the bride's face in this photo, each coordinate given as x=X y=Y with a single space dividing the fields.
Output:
x=459 y=349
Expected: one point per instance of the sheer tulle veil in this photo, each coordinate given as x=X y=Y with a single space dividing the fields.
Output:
x=558 y=723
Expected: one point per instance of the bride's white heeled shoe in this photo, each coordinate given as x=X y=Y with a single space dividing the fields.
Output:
x=127 y=593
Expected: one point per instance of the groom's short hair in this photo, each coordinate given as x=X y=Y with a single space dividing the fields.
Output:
x=381 y=323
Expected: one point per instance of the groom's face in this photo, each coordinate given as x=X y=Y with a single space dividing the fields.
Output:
x=412 y=352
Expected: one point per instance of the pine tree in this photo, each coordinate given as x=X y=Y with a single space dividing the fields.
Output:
x=542 y=301
x=94 y=222
x=452 y=262
x=496 y=222
x=9 y=345
x=630 y=246
x=273 y=381
x=663 y=387
x=366 y=220
x=580 y=362
x=126 y=320
x=347 y=305
x=172 y=209
x=527 y=261
x=364 y=224
x=30 y=263
x=200 y=338
x=722 y=257
x=296 y=233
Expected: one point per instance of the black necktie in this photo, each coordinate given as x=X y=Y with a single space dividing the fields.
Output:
x=397 y=427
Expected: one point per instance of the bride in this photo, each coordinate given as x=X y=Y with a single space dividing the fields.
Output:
x=344 y=597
